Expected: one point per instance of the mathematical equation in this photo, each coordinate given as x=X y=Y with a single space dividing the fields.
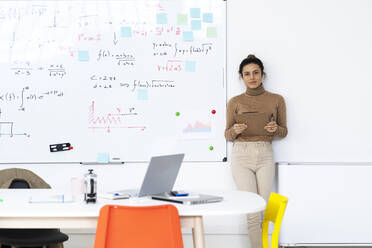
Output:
x=157 y=31
x=123 y=58
x=57 y=71
x=87 y=37
x=25 y=68
x=166 y=48
x=18 y=13
x=103 y=81
x=26 y=96
x=149 y=84
x=22 y=68
x=111 y=82
x=171 y=66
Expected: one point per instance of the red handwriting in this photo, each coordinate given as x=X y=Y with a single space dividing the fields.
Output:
x=110 y=120
x=159 y=31
x=96 y=37
x=171 y=65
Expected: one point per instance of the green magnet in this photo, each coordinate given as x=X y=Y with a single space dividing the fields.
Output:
x=211 y=148
x=177 y=113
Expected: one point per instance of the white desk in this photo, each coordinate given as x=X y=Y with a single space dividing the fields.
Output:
x=16 y=212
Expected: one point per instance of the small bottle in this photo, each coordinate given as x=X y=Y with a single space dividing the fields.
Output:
x=90 y=180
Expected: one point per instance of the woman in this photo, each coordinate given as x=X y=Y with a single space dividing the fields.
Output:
x=253 y=119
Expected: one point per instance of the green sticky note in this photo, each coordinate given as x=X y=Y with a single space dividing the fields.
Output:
x=182 y=19
x=211 y=32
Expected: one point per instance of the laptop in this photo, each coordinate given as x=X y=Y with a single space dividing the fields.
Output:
x=192 y=199
x=160 y=176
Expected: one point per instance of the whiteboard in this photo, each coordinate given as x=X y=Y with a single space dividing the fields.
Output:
x=118 y=79
x=317 y=55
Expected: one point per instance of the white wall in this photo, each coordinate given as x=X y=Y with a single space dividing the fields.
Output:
x=317 y=55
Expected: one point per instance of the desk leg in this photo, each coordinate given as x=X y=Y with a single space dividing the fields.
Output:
x=196 y=223
x=198 y=233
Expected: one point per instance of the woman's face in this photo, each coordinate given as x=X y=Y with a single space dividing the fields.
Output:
x=252 y=76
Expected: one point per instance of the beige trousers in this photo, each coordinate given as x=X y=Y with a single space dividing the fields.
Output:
x=253 y=170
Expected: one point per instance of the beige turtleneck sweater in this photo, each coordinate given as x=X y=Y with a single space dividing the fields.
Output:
x=256 y=107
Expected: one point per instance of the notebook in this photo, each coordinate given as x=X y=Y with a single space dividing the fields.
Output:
x=191 y=199
x=160 y=176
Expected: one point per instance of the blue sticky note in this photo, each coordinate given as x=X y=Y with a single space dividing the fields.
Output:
x=142 y=94
x=190 y=66
x=161 y=18
x=83 y=55
x=126 y=32
x=195 y=24
x=208 y=17
x=103 y=158
x=195 y=12
x=188 y=36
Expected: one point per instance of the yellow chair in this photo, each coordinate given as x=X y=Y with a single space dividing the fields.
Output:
x=274 y=213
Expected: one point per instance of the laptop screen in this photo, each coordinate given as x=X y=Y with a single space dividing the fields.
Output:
x=161 y=174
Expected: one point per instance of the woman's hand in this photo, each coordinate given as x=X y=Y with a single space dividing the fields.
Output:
x=239 y=128
x=271 y=127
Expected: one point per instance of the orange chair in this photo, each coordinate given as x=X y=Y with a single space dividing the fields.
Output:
x=138 y=227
